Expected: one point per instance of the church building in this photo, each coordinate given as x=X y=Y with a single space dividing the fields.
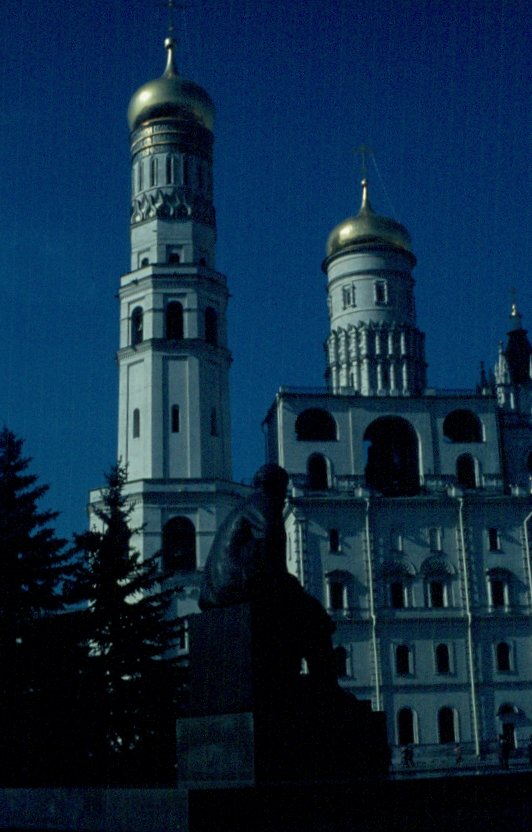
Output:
x=409 y=512
x=409 y=509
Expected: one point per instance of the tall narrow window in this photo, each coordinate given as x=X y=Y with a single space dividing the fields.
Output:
x=494 y=540
x=397 y=594
x=405 y=727
x=340 y=659
x=503 y=656
x=153 y=172
x=175 y=419
x=336 y=594
x=317 y=473
x=437 y=597
x=136 y=423
x=467 y=471
x=211 y=325
x=186 y=171
x=334 y=540
x=140 y=175
x=214 y=422
x=443 y=664
x=169 y=170
x=446 y=725
x=402 y=660
x=497 y=592
x=381 y=292
x=174 y=321
x=137 y=330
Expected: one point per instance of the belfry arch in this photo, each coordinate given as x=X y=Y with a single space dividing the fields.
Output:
x=392 y=466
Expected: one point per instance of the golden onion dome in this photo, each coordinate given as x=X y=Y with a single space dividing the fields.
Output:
x=367 y=227
x=171 y=96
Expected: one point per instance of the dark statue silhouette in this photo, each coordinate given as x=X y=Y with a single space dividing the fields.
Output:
x=247 y=650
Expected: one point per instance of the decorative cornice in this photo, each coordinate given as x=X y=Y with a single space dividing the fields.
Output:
x=175 y=205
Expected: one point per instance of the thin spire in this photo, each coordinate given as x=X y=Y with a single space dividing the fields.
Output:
x=171 y=67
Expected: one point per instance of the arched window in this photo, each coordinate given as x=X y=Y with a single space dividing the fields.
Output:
x=140 y=176
x=398 y=575
x=211 y=325
x=176 y=426
x=406 y=727
x=136 y=423
x=137 y=334
x=402 y=660
x=467 y=471
x=179 y=545
x=174 y=321
x=499 y=582
x=315 y=425
x=317 y=473
x=443 y=664
x=393 y=460
x=186 y=171
x=502 y=651
x=446 y=725
x=462 y=426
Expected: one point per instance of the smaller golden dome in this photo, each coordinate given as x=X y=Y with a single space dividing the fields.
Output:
x=171 y=96
x=367 y=227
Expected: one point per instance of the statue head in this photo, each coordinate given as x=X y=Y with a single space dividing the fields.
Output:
x=271 y=480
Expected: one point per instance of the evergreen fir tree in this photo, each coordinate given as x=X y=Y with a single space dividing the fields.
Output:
x=32 y=570
x=133 y=680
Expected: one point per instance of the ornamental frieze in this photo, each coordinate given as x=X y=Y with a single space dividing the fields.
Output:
x=172 y=206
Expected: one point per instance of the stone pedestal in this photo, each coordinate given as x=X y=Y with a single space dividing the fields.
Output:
x=255 y=719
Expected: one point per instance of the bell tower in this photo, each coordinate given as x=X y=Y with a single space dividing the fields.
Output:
x=173 y=358
x=374 y=347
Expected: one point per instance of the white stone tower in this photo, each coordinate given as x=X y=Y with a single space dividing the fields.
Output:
x=173 y=359
x=374 y=347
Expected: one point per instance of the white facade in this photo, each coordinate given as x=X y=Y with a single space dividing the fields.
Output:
x=173 y=358
x=409 y=515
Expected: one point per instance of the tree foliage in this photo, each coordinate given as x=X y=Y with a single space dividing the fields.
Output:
x=33 y=569
x=132 y=679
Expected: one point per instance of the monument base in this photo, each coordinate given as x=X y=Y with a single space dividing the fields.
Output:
x=254 y=720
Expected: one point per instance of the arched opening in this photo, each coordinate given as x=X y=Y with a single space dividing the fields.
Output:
x=405 y=727
x=393 y=460
x=443 y=664
x=178 y=548
x=317 y=473
x=462 y=426
x=137 y=326
x=315 y=425
x=529 y=462
x=446 y=725
x=503 y=656
x=211 y=325
x=467 y=471
x=174 y=321
x=402 y=660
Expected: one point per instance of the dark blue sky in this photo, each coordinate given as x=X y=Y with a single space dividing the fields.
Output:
x=439 y=90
